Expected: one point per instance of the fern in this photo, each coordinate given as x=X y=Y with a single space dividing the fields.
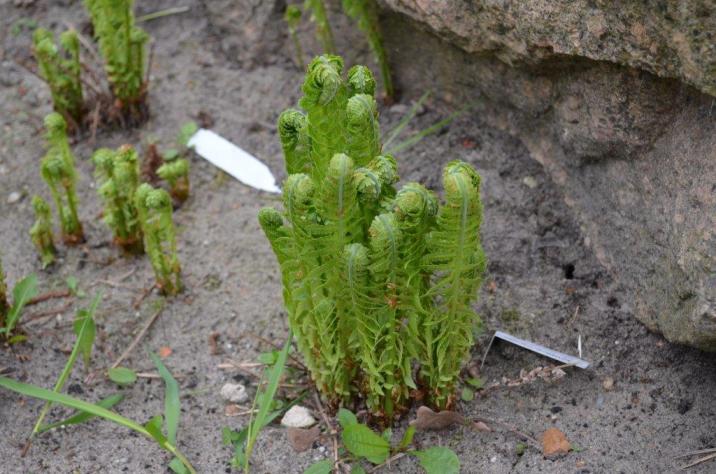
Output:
x=374 y=281
x=292 y=17
x=58 y=171
x=60 y=68
x=123 y=46
x=41 y=231
x=154 y=209
x=176 y=173
x=118 y=173
x=456 y=258
x=365 y=13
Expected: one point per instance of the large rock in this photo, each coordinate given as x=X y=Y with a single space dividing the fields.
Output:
x=635 y=154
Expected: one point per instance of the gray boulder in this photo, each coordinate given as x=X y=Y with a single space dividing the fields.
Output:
x=616 y=101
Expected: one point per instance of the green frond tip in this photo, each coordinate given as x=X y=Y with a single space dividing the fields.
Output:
x=361 y=81
x=323 y=81
x=414 y=203
x=363 y=129
x=292 y=15
x=55 y=125
x=176 y=173
x=292 y=129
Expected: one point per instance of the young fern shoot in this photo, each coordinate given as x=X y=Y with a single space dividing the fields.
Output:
x=123 y=46
x=365 y=13
x=154 y=208
x=118 y=173
x=41 y=231
x=175 y=171
x=375 y=280
x=61 y=70
x=58 y=171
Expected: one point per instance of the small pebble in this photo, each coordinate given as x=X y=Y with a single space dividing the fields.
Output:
x=530 y=182
x=13 y=197
x=234 y=393
x=608 y=384
x=298 y=417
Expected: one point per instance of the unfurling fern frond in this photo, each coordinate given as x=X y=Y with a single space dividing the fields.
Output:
x=41 y=231
x=456 y=258
x=371 y=276
x=58 y=171
x=61 y=70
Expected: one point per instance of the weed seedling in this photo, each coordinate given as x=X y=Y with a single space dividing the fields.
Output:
x=376 y=280
x=118 y=173
x=22 y=292
x=292 y=16
x=365 y=13
x=123 y=46
x=58 y=171
x=323 y=27
x=154 y=208
x=41 y=231
x=61 y=70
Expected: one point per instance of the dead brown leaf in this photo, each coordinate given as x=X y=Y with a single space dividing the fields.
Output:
x=429 y=420
x=481 y=426
x=554 y=443
x=301 y=439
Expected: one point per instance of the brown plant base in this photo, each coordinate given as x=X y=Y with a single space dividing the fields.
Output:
x=151 y=162
x=74 y=239
x=132 y=246
x=180 y=192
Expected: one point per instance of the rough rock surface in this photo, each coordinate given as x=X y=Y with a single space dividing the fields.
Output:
x=669 y=39
x=634 y=154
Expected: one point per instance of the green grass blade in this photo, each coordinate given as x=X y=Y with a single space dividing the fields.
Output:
x=53 y=397
x=172 y=408
x=78 y=347
x=83 y=416
x=413 y=139
x=264 y=399
x=393 y=134
x=24 y=291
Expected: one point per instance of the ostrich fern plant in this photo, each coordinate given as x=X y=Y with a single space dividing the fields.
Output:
x=123 y=46
x=41 y=231
x=378 y=282
x=4 y=305
x=58 y=171
x=61 y=70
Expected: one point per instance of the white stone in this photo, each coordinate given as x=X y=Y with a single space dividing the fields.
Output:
x=298 y=417
x=530 y=182
x=234 y=393
x=13 y=197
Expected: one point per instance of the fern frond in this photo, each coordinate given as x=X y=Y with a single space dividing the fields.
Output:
x=324 y=100
x=361 y=81
x=41 y=231
x=363 y=130
x=456 y=258
x=292 y=130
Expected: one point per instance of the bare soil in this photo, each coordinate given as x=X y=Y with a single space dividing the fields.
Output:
x=543 y=283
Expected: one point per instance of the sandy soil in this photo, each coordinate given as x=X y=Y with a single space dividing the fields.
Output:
x=543 y=284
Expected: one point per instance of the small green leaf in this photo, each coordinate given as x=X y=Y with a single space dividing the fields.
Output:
x=357 y=469
x=320 y=467
x=122 y=376
x=85 y=339
x=17 y=338
x=467 y=394
x=438 y=460
x=346 y=418
x=171 y=154
x=24 y=291
x=387 y=435
x=73 y=286
x=172 y=408
x=178 y=467
x=520 y=449
x=362 y=442
x=83 y=416
x=476 y=382
x=407 y=438
x=154 y=428
x=186 y=132
x=268 y=358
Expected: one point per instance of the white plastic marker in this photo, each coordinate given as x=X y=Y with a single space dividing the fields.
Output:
x=238 y=163
x=538 y=348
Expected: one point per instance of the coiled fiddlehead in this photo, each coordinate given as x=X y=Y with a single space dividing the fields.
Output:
x=41 y=231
